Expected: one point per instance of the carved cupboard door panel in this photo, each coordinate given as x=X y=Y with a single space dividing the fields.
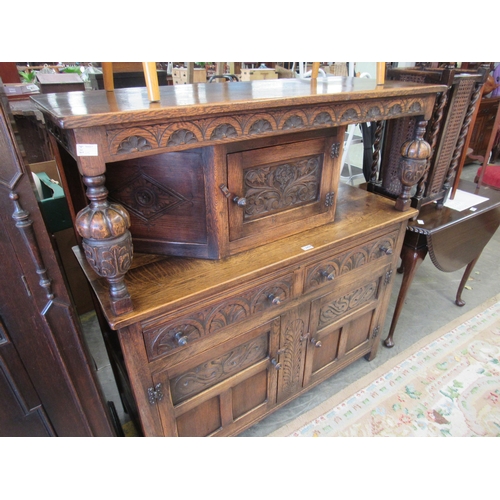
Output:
x=223 y=389
x=40 y=328
x=278 y=189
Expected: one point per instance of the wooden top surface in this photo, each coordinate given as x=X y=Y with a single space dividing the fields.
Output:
x=158 y=284
x=96 y=108
x=432 y=220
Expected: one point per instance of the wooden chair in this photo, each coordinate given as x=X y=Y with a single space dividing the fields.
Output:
x=150 y=75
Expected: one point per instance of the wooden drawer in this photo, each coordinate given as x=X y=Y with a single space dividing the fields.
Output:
x=324 y=270
x=222 y=389
x=165 y=335
x=285 y=189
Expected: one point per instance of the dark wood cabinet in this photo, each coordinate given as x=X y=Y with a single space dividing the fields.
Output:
x=234 y=270
x=48 y=386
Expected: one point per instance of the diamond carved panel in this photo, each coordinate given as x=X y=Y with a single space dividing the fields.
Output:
x=146 y=198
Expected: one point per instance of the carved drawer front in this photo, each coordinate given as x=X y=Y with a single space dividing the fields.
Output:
x=280 y=190
x=163 y=336
x=343 y=326
x=324 y=271
x=222 y=389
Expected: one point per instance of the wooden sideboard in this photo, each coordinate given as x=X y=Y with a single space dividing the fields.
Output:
x=212 y=346
x=258 y=274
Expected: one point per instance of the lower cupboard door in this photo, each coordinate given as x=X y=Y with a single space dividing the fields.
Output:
x=343 y=328
x=224 y=389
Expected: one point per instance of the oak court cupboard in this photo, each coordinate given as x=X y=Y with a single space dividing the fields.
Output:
x=256 y=275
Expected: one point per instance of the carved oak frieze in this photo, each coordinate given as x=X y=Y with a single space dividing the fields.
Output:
x=340 y=306
x=162 y=339
x=203 y=131
x=318 y=274
x=218 y=369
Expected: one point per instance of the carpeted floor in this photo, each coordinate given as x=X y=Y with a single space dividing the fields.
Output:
x=446 y=385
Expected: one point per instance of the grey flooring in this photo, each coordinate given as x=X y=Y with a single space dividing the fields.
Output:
x=429 y=306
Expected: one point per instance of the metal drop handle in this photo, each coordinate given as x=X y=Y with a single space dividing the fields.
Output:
x=275 y=300
x=327 y=275
x=317 y=343
x=386 y=250
x=276 y=364
x=241 y=202
x=180 y=338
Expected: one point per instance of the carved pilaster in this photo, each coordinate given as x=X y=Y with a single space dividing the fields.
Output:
x=412 y=166
x=107 y=241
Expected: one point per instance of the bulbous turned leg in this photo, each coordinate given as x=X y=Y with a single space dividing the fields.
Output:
x=107 y=242
x=412 y=166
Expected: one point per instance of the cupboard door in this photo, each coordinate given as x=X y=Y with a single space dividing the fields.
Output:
x=223 y=389
x=280 y=190
x=344 y=325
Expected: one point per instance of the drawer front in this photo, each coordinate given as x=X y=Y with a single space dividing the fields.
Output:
x=322 y=272
x=164 y=336
x=220 y=390
x=285 y=189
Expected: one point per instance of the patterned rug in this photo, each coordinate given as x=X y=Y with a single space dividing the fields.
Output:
x=446 y=385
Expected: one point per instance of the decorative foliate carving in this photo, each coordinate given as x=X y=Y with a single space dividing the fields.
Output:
x=223 y=131
x=260 y=127
x=133 y=144
x=216 y=370
x=323 y=118
x=181 y=137
x=350 y=114
x=333 y=310
x=271 y=188
x=292 y=355
x=110 y=258
x=202 y=131
x=160 y=339
x=293 y=122
x=353 y=259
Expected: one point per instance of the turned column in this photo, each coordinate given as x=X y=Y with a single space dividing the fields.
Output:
x=107 y=242
x=413 y=165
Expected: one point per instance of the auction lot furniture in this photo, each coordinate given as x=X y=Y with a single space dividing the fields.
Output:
x=255 y=275
x=454 y=240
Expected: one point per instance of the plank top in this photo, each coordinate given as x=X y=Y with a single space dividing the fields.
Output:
x=99 y=108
